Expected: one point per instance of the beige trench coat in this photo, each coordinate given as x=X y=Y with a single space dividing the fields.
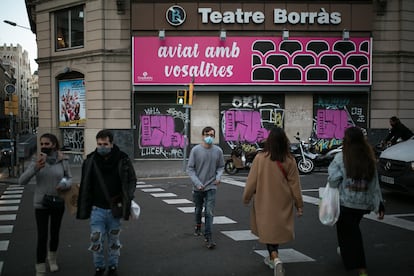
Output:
x=274 y=197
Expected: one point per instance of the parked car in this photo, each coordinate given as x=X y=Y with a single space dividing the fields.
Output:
x=396 y=167
x=5 y=152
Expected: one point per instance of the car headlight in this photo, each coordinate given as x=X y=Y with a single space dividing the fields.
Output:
x=412 y=166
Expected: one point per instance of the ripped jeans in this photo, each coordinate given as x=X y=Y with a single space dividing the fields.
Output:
x=104 y=226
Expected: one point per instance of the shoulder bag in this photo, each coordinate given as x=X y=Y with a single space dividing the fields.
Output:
x=115 y=202
x=281 y=168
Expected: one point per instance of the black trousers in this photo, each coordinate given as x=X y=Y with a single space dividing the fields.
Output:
x=42 y=223
x=350 y=238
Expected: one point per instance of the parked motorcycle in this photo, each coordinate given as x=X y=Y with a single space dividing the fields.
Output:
x=307 y=157
x=241 y=158
x=305 y=165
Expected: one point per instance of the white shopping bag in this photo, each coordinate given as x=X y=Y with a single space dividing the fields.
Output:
x=135 y=210
x=329 y=205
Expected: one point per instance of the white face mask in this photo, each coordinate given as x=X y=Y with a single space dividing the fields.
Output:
x=209 y=140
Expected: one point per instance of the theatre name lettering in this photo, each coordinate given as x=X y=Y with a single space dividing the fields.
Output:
x=280 y=16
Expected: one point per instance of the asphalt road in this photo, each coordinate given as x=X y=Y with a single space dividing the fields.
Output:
x=161 y=242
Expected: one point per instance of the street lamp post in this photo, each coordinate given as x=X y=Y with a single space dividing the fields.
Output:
x=14 y=24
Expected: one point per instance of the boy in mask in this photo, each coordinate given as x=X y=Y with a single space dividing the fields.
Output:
x=205 y=167
x=108 y=179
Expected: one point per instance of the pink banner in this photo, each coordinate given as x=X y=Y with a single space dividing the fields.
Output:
x=251 y=60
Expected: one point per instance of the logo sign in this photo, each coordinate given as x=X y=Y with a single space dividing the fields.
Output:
x=175 y=15
x=9 y=88
x=387 y=166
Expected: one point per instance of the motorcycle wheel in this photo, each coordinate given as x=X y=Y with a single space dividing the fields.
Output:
x=230 y=168
x=305 y=166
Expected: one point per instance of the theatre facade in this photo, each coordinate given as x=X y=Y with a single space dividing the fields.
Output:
x=254 y=66
x=157 y=72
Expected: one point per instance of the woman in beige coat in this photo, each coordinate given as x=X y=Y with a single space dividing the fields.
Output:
x=274 y=182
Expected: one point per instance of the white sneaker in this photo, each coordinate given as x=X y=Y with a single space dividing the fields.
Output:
x=278 y=270
x=269 y=262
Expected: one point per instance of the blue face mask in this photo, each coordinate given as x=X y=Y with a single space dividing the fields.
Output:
x=209 y=140
x=103 y=150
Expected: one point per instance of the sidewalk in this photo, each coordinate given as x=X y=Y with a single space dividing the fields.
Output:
x=143 y=169
x=159 y=168
x=147 y=169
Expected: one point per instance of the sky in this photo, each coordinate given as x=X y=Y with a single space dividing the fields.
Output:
x=15 y=11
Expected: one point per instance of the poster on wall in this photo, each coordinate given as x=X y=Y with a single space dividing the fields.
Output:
x=252 y=60
x=248 y=118
x=72 y=103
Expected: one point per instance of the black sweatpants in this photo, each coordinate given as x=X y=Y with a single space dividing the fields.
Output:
x=350 y=238
x=42 y=222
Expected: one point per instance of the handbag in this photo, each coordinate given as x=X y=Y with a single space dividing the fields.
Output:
x=53 y=202
x=329 y=206
x=70 y=197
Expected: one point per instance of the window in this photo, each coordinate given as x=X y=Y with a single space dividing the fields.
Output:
x=69 y=28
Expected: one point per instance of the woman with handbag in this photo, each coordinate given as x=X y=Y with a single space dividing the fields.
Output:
x=274 y=185
x=53 y=174
x=353 y=172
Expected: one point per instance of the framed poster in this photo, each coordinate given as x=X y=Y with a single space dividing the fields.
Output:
x=72 y=103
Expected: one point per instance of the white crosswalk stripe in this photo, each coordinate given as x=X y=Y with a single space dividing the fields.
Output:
x=221 y=220
x=164 y=195
x=287 y=255
x=9 y=202
x=10 y=196
x=152 y=190
x=177 y=201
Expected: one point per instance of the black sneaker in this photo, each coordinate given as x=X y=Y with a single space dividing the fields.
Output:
x=197 y=231
x=99 y=271
x=112 y=271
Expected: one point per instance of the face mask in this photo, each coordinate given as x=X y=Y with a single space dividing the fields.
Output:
x=209 y=140
x=103 y=150
x=46 y=150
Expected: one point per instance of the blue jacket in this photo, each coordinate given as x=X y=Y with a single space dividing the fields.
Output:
x=364 y=195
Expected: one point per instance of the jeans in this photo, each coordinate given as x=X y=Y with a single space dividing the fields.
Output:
x=104 y=226
x=42 y=223
x=208 y=200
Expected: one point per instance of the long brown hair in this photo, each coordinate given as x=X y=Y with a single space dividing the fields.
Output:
x=52 y=138
x=277 y=145
x=359 y=158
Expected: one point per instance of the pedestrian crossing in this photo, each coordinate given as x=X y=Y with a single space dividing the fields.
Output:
x=187 y=207
x=9 y=205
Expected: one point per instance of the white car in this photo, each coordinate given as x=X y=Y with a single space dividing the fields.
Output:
x=396 y=167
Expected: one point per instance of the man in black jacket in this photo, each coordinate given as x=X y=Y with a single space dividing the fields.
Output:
x=397 y=131
x=108 y=184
